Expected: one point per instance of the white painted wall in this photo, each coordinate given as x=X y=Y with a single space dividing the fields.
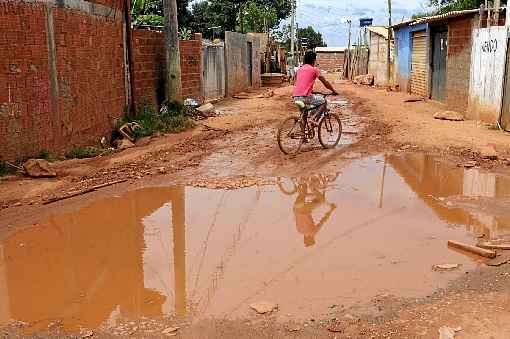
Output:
x=488 y=60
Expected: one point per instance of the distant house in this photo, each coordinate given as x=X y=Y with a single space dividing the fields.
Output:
x=433 y=57
x=378 y=57
x=330 y=59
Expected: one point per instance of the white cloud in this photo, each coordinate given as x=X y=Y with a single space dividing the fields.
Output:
x=326 y=15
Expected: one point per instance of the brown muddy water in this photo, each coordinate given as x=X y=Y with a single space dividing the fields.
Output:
x=376 y=228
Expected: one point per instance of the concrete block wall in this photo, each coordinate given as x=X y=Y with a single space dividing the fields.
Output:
x=330 y=61
x=61 y=74
x=378 y=59
x=236 y=62
x=149 y=66
x=459 y=63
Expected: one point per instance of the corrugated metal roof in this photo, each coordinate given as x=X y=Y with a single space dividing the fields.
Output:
x=439 y=17
x=445 y=16
x=381 y=30
x=330 y=49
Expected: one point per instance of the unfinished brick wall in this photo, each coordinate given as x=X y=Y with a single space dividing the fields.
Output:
x=61 y=76
x=330 y=61
x=149 y=66
x=458 y=64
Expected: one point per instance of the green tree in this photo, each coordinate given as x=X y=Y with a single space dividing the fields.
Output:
x=309 y=36
x=444 y=6
x=237 y=15
x=150 y=12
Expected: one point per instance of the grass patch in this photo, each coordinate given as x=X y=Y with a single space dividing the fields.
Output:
x=47 y=155
x=83 y=153
x=171 y=119
x=6 y=169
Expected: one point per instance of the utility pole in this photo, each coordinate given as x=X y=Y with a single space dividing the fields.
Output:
x=172 y=52
x=293 y=32
x=347 y=68
x=388 y=53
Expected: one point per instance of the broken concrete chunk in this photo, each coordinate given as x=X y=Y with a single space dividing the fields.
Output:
x=449 y=115
x=39 y=168
x=472 y=249
x=206 y=108
x=264 y=307
x=123 y=144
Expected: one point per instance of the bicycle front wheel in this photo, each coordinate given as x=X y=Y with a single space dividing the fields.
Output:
x=291 y=136
x=330 y=131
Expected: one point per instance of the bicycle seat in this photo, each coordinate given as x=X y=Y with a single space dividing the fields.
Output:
x=300 y=104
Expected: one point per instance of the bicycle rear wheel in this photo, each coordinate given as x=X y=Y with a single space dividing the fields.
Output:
x=291 y=136
x=330 y=131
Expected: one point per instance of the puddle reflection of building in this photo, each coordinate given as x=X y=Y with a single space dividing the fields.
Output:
x=431 y=179
x=86 y=267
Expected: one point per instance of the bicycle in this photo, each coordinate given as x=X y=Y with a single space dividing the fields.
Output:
x=295 y=131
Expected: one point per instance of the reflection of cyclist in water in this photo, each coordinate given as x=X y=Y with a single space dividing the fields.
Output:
x=304 y=207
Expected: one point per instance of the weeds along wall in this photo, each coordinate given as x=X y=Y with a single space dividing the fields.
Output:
x=63 y=80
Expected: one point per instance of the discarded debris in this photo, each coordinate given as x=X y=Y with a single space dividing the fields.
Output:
x=472 y=249
x=88 y=190
x=206 y=108
x=414 y=99
x=449 y=115
x=491 y=246
x=190 y=102
x=367 y=79
x=295 y=329
x=499 y=260
x=128 y=130
x=264 y=307
x=446 y=333
x=39 y=168
x=445 y=267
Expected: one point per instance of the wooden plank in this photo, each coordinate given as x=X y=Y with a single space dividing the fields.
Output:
x=472 y=249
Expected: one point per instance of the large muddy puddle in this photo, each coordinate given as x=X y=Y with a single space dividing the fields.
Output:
x=376 y=228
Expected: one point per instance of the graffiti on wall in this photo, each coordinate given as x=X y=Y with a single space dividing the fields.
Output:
x=490 y=46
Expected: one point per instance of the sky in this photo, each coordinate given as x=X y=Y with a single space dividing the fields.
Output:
x=326 y=15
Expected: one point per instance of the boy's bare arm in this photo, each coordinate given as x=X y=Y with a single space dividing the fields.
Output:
x=328 y=85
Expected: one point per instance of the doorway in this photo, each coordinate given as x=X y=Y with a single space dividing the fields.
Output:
x=439 y=59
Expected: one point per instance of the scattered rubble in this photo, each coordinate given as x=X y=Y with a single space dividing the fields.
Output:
x=449 y=115
x=128 y=130
x=170 y=330
x=494 y=246
x=264 y=307
x=468 y=164
x=366 y=79
x=499 y=260
x=446 y=333
x=488 y=152
x=39 y=168
x=248 y=95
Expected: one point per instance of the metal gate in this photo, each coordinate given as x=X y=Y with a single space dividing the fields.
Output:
x=419 y=68
x=440 y=48
x=213 y=61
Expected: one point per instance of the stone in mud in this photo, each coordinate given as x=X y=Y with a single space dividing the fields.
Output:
x=449 y=115
x=264 y=307
x=488 y=152
x=39 y=168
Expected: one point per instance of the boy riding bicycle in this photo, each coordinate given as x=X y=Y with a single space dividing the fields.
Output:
x=305 y=80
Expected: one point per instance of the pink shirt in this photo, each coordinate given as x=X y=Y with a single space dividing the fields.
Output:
x=306 y=77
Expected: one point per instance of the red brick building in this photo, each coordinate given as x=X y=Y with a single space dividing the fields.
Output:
x=330 y=59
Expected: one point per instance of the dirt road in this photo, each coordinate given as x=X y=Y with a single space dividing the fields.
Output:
x=213 y=220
